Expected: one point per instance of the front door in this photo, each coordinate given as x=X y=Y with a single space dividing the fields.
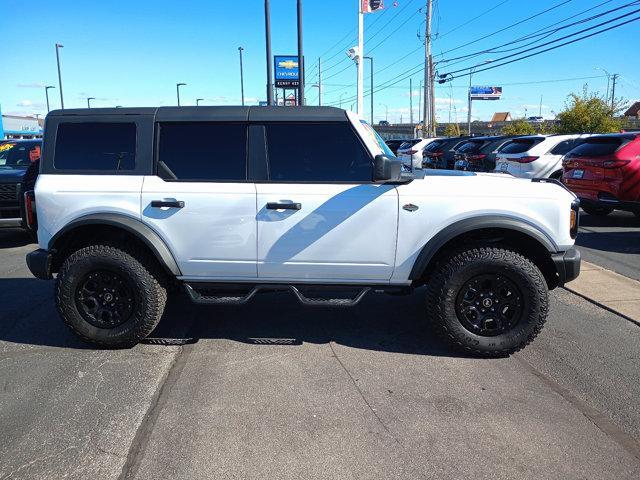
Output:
x=320 y=217
x=200 y=202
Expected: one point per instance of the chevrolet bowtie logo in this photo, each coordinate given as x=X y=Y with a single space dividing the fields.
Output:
x=288 y=64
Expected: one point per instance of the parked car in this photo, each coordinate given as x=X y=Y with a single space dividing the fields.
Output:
x=410 y=152
x=394 y=144
x=604 y=172
x=384 y=123
x=291 y=199
x=537 y=156
x=535 y=119
x=16 y=156
x=478 y=154
x=440 y=153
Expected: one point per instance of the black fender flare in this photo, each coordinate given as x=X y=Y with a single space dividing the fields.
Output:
x=132 y=225
x=476 y=223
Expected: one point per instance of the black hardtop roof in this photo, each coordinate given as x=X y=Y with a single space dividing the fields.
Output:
x=217 y=113
x=624 y=136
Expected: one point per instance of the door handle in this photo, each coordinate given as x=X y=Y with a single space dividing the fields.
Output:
x=167 y=203
x=283 y=206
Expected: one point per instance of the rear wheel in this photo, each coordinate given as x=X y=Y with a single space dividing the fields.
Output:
x=597 y=211
x=109 y=296
x=488 y=301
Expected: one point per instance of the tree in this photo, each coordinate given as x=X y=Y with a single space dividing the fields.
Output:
x=519 y=126
x=589 y=113
x=452 y=130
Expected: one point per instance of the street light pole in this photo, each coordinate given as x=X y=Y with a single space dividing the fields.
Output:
x=178 y=85
x=58 y=47
x=240 y=49
x=319 y=82
x=614 y=78
x=89 y=101
x=267 y=29
x=300 y=57
x=198 y=100
x=371 y=92
x=608 y=80
x=46 y=94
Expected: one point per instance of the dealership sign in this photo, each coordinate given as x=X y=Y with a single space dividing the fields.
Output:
x=287 y=71
x=485 y=93
x=370 y=6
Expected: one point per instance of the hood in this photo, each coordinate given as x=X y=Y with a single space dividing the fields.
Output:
x=11 y=174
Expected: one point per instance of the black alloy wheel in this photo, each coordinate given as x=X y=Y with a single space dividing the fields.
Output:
x=105 y=299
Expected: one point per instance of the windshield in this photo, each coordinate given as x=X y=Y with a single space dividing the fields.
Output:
x=13 y=154
x=378 y=139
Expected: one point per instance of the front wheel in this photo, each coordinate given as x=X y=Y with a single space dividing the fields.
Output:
x=597 y=211
x=487 y=301
x=109 y=296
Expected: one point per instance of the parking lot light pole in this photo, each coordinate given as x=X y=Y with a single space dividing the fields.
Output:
x=267 y=30
x=178 y=85
x=46 y=94
x=198 y=100
x=89 y=101
x=240 y=49
x=58 y=47
x=608 y=80
x=371 y=92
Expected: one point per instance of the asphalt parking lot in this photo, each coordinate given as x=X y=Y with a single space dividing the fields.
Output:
x=274 y=390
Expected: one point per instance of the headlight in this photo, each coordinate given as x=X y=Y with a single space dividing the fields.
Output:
x=574 y=218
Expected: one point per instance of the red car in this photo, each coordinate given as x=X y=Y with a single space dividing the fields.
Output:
x=604 y=172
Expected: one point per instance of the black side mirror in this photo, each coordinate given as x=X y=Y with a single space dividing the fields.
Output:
x=386 y=169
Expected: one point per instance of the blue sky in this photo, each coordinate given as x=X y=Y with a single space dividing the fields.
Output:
x=133 y=53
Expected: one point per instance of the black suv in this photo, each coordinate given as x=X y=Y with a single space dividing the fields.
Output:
x=17 y=158
x=478 y=154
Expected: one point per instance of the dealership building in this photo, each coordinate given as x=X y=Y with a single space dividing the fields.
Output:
x=17 y=127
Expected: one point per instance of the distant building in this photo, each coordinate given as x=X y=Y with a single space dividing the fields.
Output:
x=14 y=126
x=633 y=111
x=501 y=117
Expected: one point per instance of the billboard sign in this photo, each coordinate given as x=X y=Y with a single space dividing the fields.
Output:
x=485 y=93
x=287 y=71
x=370 y=6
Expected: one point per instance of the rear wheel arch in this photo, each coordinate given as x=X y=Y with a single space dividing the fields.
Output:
x=515 y=234
x=110 y=228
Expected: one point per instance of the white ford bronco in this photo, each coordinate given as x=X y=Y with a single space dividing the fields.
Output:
x=228 y=202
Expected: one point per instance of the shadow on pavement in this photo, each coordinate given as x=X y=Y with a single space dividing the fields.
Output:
x=616 y=219
x=618 y=242
x=381 y=322
x=14 y=237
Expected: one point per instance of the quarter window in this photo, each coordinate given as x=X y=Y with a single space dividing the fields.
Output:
x=95 y=146
x=203 y=151
x=317 y=153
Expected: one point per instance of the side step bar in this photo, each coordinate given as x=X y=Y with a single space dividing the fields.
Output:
x=235 y=295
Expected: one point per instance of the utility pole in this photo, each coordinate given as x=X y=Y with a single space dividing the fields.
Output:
x=319 y=83
x=411 y=101
x=371 y=93
x=267 y=29
x=300 y=57
x=614 y=78
x=58 y=47
x=360 y=60
x=46 y=94
x=240 y=49
x=427 y=73
x=432 y=97
x=540 y=111
x=420 y=102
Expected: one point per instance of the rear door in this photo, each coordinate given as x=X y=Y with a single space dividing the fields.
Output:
x=200 y=201
x=320 y=216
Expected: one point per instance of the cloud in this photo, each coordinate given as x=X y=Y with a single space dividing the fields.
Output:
x=30 y=85
x=447 y=101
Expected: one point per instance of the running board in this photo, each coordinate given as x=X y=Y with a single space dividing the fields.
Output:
x=236 y=295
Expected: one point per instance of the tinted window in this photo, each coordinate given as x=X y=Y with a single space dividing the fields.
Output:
x=470 y=147
x=316 y=152
x=95 y=146
x=519 y=145
x=202 y=151
x=563 y=147
x=434 y=146
x=408 y=144
x=597 y=147
x=20 y=154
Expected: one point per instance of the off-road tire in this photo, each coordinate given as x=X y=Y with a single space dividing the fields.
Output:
x=138 y=268
x=453 y=271
x=597 y=211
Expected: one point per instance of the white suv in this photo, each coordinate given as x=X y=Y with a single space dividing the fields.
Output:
x=228 y=201
x=536 y=156
x=411 y=152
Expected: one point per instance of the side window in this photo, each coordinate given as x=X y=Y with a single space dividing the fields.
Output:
x=95 y=146
x=324 y=152
x=202 y=151
x=563 y=147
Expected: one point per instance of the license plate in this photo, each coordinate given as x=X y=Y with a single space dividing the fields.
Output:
x=503 y=167
x=577 y=174
x=461 y=163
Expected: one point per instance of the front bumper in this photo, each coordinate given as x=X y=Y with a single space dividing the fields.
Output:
x=567 y=265
x=39 y=263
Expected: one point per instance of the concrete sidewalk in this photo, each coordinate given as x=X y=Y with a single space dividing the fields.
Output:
x=611 y=290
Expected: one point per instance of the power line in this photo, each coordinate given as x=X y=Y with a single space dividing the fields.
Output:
x=438 y=36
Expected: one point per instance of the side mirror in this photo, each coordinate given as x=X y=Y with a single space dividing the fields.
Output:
x=386 y=169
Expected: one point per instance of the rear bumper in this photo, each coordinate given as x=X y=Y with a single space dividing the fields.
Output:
x=39 y=263
x=567 y=265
